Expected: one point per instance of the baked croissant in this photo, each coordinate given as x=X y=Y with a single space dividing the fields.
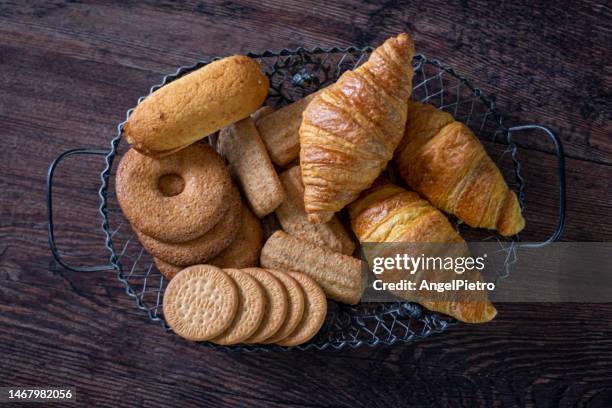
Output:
x=443 y=160
x=350 y=130
x=388 y=213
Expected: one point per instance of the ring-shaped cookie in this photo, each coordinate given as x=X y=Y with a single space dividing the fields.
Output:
x=174 y=217
x=203 y=248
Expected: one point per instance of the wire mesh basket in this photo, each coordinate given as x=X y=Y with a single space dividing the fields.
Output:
x=294 y=74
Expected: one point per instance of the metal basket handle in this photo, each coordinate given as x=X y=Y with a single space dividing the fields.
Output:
x=54 y=251
x=561 y=172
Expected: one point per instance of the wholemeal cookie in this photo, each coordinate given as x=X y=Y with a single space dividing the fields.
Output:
x=279 y=131
x=168 y=270
x=203 y=248
x=339 y=275
x=276 y=305
x=315 y=311
x=295 y=309
x=244 y=251
x=292 y=216
x=146 y=191
x=261 y=112
x=200 y=302
x=251 y=308
x=250 y=164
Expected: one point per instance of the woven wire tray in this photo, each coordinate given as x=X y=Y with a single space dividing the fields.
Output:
x=294 y=74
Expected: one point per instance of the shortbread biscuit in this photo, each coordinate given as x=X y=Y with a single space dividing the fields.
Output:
x=251 y=309
x=244 y=251
x=339 y=275
x=295 y=309
x=292 y=217
x=276 y=305
x=168 y=270
x=250 y=164
x=197 y=105
x=279 y=131
x=315 y=311
x=203 y=248
x=200 y=302
x=174 y=218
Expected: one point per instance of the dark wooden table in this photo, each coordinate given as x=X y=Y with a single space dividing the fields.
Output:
x=68 y=72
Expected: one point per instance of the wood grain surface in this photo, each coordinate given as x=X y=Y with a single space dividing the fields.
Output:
x=70 y=69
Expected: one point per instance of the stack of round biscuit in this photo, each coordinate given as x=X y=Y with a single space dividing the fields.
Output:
x=251 y=305
x=186 y=210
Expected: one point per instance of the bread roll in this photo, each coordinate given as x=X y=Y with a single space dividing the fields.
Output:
x=197 y=105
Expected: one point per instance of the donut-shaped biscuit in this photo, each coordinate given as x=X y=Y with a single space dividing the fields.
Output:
x=168 y=270
x=148 y=192
x=201 y=249
x=244 y=251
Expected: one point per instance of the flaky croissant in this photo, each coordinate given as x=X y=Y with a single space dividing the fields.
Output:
x=388 y=213
x=350 y=130
x=443 y=160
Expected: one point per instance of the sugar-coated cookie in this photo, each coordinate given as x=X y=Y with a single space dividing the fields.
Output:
x=168 y=270
x=201 y=249
x=145 y=186
x=244 y=250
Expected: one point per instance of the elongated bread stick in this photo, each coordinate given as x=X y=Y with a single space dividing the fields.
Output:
x=279 y=131
x=339 y=275
x=293 y=218
x=250 y=164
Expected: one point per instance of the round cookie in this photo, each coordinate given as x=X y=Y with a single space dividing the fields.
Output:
x=145 y=189
x=168 y=270
x=244 y=251
x=276 y=305
x=201 y=249
x=251 y=309
x=296 y=306
x=200 y=302
x=314 y=312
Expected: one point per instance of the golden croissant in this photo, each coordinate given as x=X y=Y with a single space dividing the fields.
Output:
x=388 y=213
x=443 y=160
x=350 y=130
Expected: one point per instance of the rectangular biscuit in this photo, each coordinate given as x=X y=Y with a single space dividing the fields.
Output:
x=249 y=162
x=279 y=131
x=339 y=275
x=261 y=112
x=292 y=217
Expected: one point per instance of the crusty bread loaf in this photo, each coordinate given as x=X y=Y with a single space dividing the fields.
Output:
x=197 y=105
